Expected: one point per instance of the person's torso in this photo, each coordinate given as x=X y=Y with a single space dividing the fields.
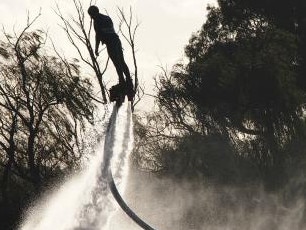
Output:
x=104 y=28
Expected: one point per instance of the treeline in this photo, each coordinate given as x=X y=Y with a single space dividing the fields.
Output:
x=48 y=108
x=235 y=112
x=44 y=106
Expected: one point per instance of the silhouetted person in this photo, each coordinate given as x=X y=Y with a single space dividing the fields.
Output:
x=106 y=34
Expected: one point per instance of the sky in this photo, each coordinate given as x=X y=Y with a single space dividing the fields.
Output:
x=165 y=27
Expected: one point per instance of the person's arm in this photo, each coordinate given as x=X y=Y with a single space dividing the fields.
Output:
x=97 y=44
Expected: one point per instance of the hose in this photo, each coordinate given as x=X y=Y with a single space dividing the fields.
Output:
x=113 y=188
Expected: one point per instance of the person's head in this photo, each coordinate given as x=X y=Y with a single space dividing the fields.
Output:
x=93 y=11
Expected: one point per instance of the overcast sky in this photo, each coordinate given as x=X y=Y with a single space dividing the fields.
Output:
x=165 y=27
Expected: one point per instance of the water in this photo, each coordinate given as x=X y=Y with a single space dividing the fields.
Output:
x=84 y=201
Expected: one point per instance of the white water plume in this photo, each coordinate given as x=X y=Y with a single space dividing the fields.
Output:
x=84 y=201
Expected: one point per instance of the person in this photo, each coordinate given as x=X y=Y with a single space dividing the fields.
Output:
x=106 y=34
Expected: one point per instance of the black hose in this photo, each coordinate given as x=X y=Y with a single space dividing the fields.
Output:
x=113 y=188
x=124 y=206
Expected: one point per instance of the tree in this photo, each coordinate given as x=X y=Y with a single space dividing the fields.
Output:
x=44 y=104
x=286 y=15
x=78 y=31
x=79 y=36
x=241 y=82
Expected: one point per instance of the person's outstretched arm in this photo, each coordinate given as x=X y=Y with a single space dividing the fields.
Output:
x=97 y=44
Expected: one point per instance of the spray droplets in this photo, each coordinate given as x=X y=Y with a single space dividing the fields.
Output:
x=84 y=201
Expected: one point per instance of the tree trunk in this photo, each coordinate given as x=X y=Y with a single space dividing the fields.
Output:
x=5 y=179
x=34 y=169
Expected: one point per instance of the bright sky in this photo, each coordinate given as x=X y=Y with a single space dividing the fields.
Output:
x=165 y=28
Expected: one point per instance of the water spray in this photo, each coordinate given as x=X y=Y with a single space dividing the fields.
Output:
x=110 y=134
x=87 y=200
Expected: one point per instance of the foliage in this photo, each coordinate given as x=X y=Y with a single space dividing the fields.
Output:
x=242 y=82
x=286 y=15
x=44 y=106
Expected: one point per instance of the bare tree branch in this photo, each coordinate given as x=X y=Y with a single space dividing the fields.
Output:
x=76 y=32
x=130 y=38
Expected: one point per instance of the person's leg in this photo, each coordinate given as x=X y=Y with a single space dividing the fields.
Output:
x=123 y=64
x=126 y=72
x=116 y=54
x=113 y=55
x=129 y=83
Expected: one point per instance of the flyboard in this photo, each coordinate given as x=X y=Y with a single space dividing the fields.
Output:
x=118 y=92
x=117 y=95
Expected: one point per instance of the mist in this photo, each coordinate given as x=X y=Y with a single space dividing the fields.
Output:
x=180 y=204
x=164 y=202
